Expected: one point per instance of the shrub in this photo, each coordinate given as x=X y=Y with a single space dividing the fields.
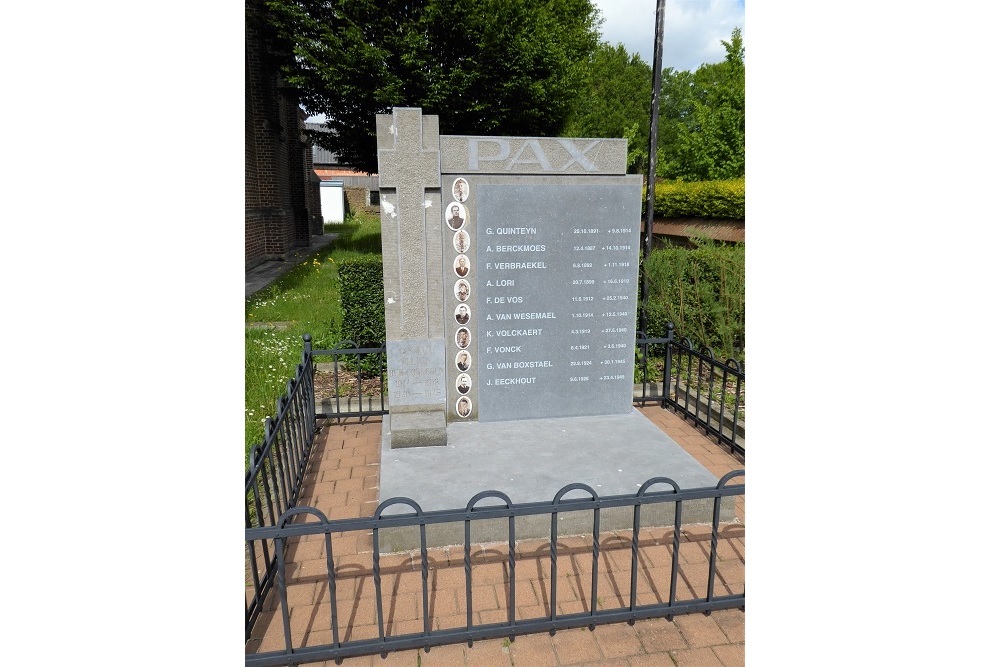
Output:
x=701 y=199
x=361 y=299
x=701 y=291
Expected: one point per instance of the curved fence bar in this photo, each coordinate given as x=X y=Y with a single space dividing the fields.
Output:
x=467 y=553
x=376 y=561
x=556 y=501
x=675 y=604
x=635 y=532
x=716 y=514
x=595 y=544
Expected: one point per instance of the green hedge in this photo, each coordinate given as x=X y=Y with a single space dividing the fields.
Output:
x=702 y=199
x=361 y=298
x=701 y=291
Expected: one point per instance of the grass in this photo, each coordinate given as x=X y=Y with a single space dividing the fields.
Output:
x=304 y=300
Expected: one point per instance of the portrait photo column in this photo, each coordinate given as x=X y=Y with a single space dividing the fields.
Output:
x=460 y=328
x=412 y=262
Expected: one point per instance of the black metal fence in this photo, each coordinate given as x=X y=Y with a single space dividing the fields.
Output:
x=274 y=477
x=357 y=381
x=695 y=384
x=277 y=465
x=289 y=528
x=688 y=379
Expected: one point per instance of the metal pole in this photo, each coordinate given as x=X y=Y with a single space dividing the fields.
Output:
x=654 y=123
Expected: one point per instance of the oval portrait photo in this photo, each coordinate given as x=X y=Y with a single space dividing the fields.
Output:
x=462 y=314
x=462 y=338
x=463 y=407
x=455 y=216
x=462 y=289
x=463 y=383
x=463 y=360
x=461 y=241
x=460 y=189
x=461 y=266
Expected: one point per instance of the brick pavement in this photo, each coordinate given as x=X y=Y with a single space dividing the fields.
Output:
x=342 y=482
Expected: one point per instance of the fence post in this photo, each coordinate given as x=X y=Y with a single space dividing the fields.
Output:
x=667 y=370
x=309 y=368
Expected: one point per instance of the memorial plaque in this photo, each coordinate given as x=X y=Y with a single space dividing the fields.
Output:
x=555 y=298
x=510 y=267
x=419 y=378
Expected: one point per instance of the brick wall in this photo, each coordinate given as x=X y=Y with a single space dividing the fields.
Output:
x=280 y=207
x=357 y=200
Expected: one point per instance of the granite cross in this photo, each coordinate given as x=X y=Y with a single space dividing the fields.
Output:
x=410 y=167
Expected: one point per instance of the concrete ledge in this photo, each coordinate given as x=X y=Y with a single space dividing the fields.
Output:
x=530 y=461
x=539 y=526
x=425 y=428
x=425 y=408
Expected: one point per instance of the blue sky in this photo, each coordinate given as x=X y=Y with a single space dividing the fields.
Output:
x=692 y=29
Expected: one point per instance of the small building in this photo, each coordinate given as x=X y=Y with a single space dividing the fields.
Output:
x=358 y=189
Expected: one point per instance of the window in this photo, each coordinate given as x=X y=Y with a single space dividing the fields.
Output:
x=373 y=198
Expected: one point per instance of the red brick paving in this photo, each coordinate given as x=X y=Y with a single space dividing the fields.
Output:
x=342 y=482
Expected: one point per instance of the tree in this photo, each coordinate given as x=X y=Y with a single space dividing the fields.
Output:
x=615 y=102
x=511 y=67
x=702 y=119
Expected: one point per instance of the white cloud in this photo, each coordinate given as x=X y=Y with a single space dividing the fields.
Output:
x=692 y=29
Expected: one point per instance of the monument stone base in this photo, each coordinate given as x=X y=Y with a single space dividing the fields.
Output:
x=416 y=428
x=530 y=461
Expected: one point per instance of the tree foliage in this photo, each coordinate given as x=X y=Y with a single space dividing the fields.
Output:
x=701 y=126
x=615 y=101
x=508 y=67
x=702 y=119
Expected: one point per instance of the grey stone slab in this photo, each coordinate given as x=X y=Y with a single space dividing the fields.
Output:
x=530 y=461
x=417 y=375
x=556 y=294
x=532 y=155
x=560 y=213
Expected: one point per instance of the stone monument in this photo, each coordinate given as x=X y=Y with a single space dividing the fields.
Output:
x=518 y=299
x=510 y=270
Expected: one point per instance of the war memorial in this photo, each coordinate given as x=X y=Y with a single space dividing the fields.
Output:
x=510 y=268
